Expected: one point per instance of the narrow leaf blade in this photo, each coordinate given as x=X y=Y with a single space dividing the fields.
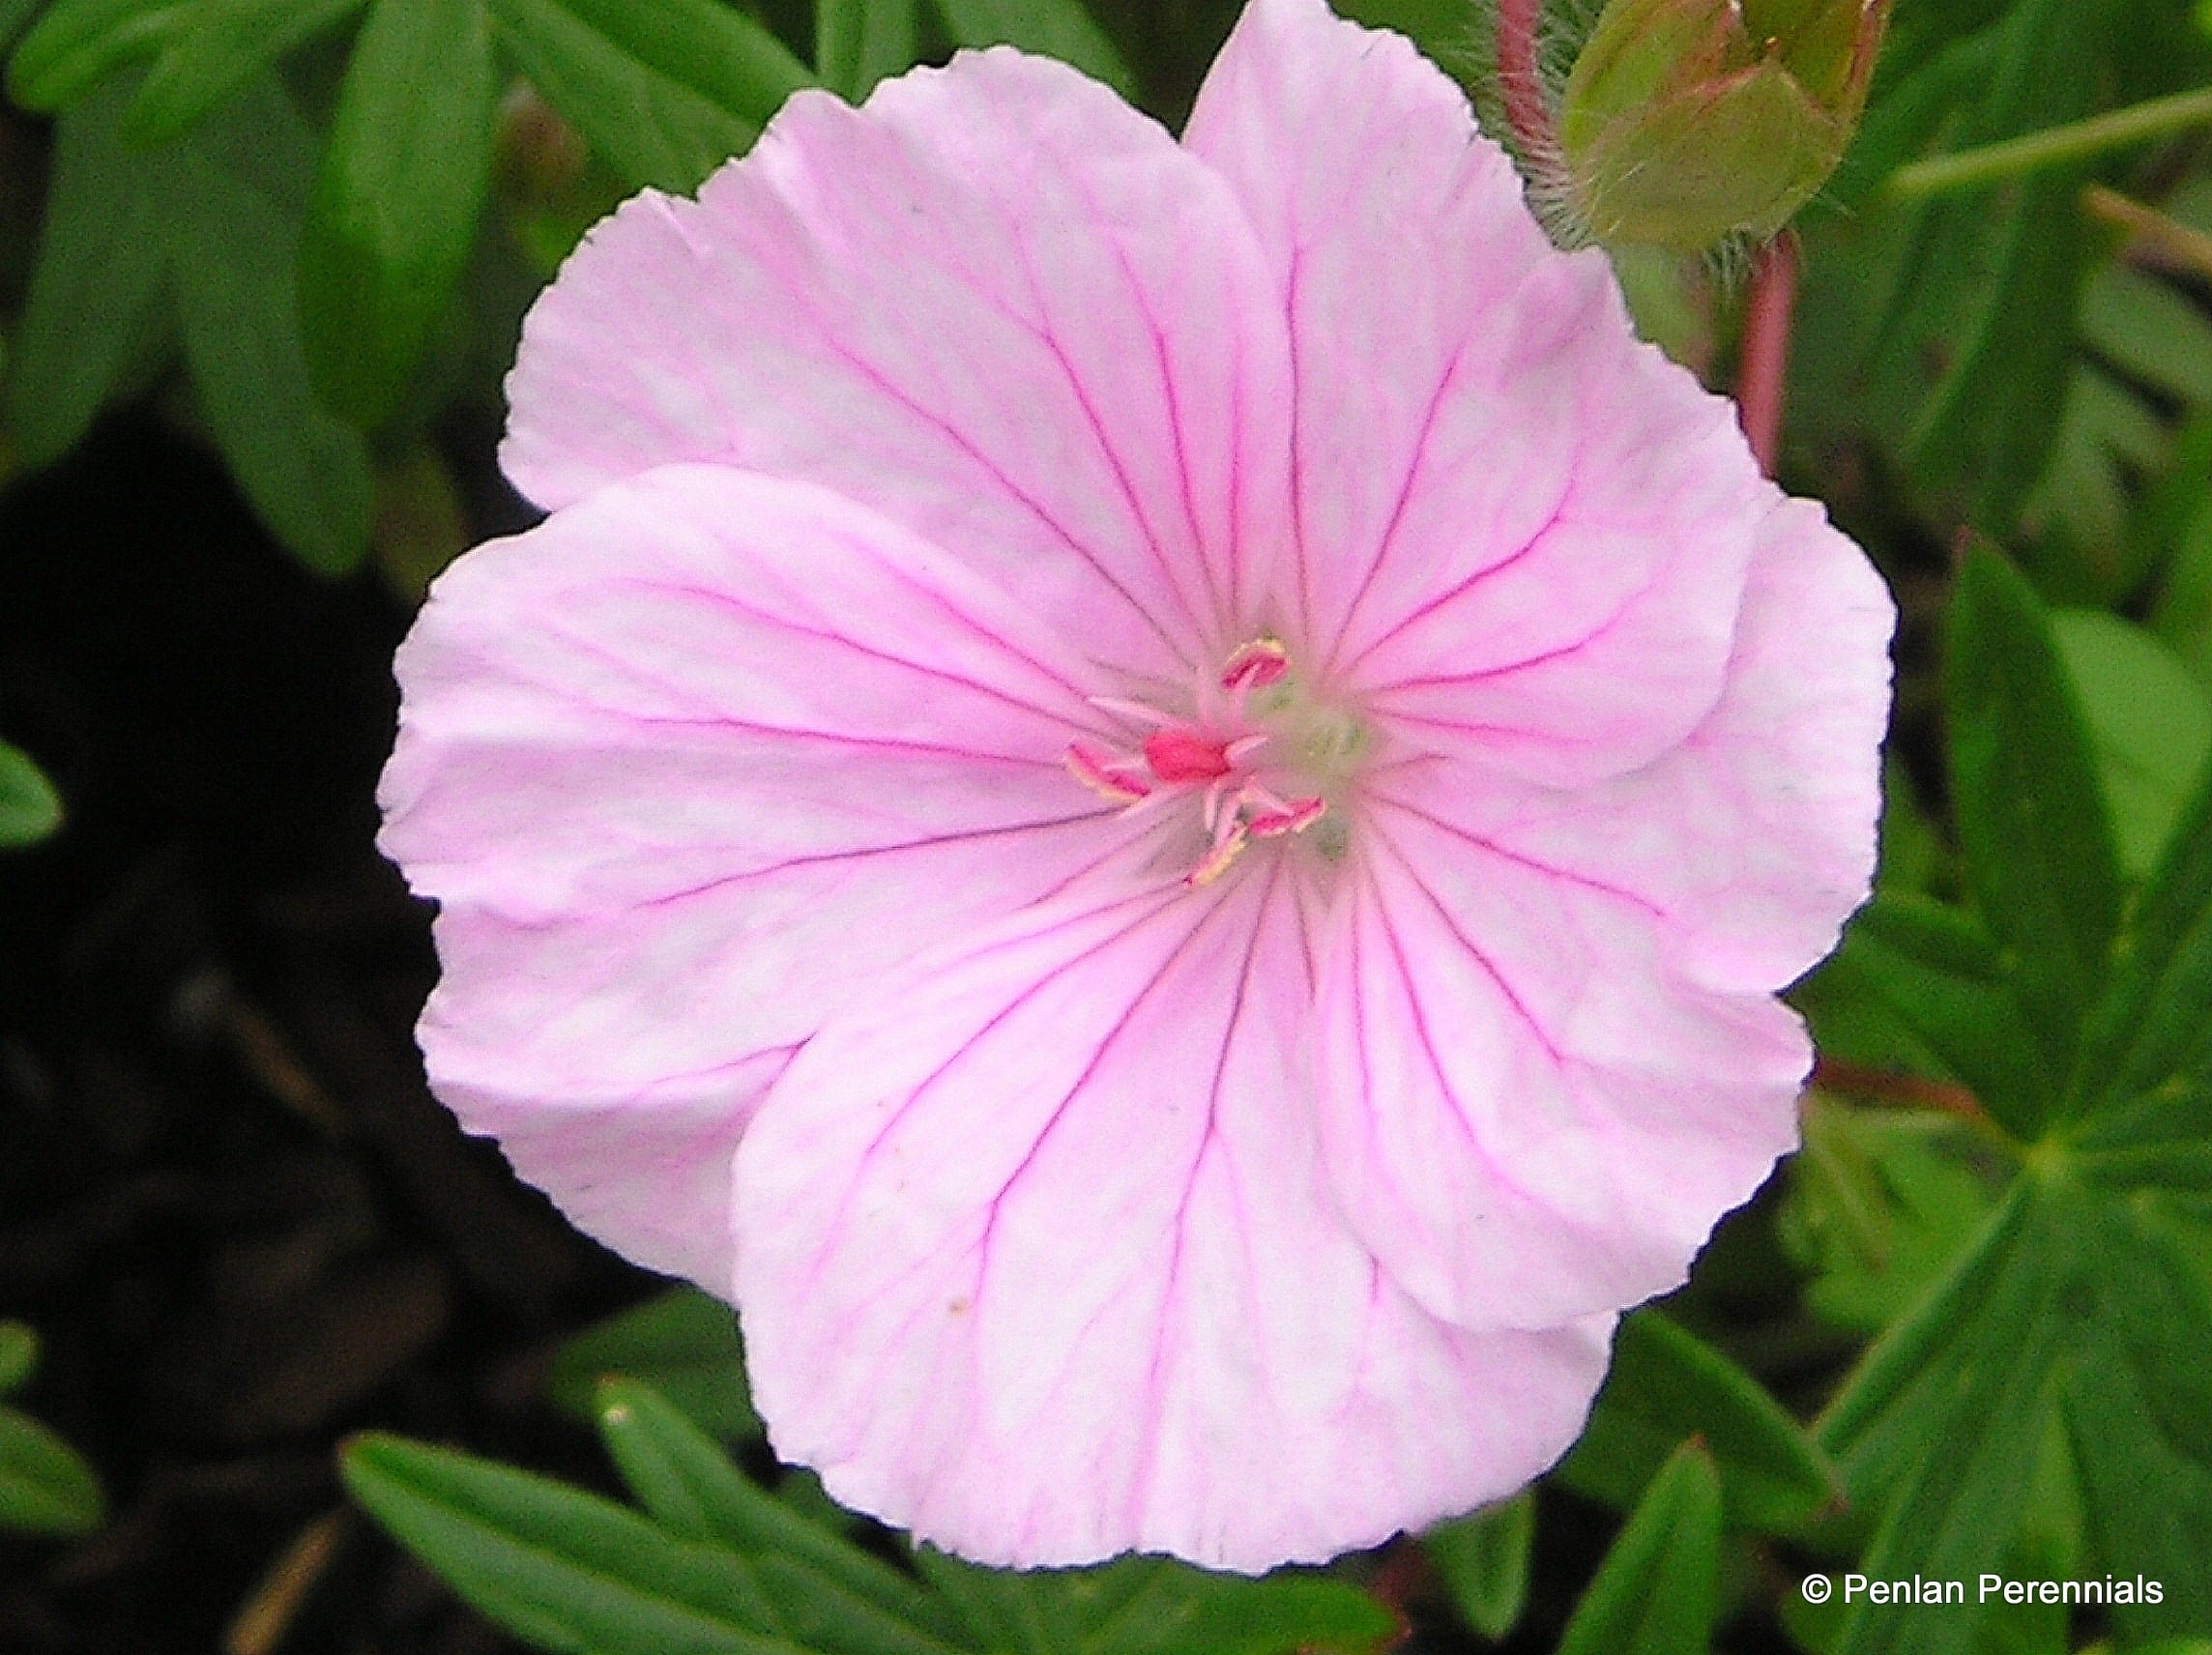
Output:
x=1056 y=28
x=79 y=43
x=721 y=54
x=1484 y=1561
x=30 y=810
x=230 y=41
x=46 y=1488
x=1666 y=1384
x=824 y=1591
x=95 y=305
x=558 y=1566
x=1658 y=1590
x=652 y=129
x=234 y=235
x=394 y=213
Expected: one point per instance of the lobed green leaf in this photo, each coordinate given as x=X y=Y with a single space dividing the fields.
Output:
x=1666 y=1384
x=1936 y=971
x=2150 y=726
x=2151 y=1037
x=2031 y=816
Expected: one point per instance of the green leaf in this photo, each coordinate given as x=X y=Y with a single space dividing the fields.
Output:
x=1880 y=1205
x=2173 y=524
x=559 y=1567
x=1146 y=1606
x=1056 y=28
x=1936 y=971
x=213 y=220
x=682 y=1343
x=858 y=42
x=18 y=1355
x=95 y=309
x=78 y=43
x=2031 y=817
x=30 y=810
x=650 y=129
x=1943 y=330
x=2137 y=1406
x=1658 y=1590
x=44 y=1487
x=1666 y=1384
x=1939 y=1425
x=394 y=213
x=824 y=1592
x=1179 y=1608
x=14 y=16
x=2151 y=1037
x=1483 y=1561
x=724 y=56
x=2150 y=726
x=228 y=44
x=233 y=225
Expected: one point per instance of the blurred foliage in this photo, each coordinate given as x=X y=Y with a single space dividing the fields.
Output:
x=1967 y=1331
x=45 y=1486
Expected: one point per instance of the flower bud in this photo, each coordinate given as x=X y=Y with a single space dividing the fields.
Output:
x=1687 y=120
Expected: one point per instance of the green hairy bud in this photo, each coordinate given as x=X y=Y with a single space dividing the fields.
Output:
x=1689 y=121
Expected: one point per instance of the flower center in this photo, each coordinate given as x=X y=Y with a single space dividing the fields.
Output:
x=1257 y=756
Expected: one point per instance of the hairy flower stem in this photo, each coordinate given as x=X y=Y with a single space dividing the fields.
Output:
x=2054 y=145
x=1520 y=85
x=1765 y=358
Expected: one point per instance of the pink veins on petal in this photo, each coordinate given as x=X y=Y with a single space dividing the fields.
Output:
x=1149 y=796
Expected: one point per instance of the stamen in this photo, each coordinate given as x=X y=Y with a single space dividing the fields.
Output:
x=1113 y=780
x=1294 y=818
x=1136 y=711
x=1256 y=665
x=1217 y=861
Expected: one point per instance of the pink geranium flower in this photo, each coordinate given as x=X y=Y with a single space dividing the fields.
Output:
x=1149 y=796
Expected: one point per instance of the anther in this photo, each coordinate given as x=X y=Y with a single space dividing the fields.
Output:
x=1256 y=665
x=1112 y=780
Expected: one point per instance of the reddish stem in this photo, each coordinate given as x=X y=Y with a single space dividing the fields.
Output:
x=1765 y=359
x=1518 y=81
x=1911 y=1092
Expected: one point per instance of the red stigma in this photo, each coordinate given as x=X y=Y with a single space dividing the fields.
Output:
x=1178 y=754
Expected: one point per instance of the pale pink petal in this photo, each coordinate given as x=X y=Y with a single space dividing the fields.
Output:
x=1525 y=1110
x=1036 y=1259
x=687 y=767
x=994 y=304
x=1748 y=846
x=1516 y=529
